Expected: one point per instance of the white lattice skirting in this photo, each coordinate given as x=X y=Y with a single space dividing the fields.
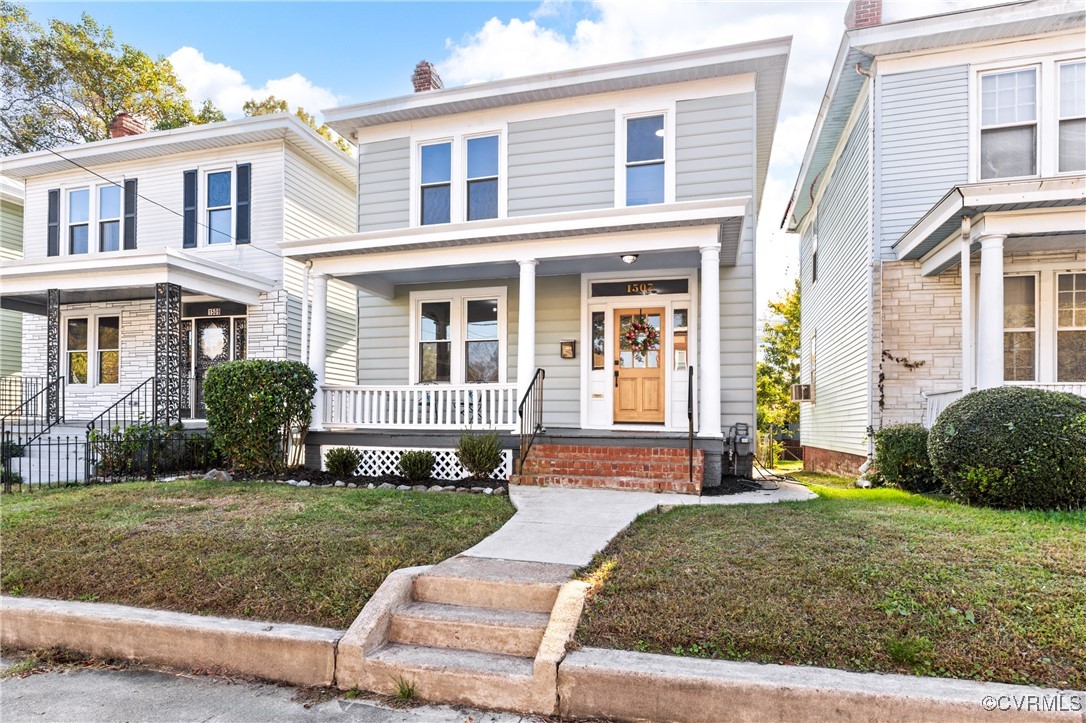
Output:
x=380 y=461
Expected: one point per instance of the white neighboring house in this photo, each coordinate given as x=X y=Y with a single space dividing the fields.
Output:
x=11 y=248
x=526 y=227
x=940 y=207
x=153 y=256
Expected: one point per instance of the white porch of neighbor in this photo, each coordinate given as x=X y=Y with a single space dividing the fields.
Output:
x=682 y=236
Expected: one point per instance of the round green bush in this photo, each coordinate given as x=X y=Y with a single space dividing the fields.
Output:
x=417 y=465
x=901 y=458
x=479 y=454
x=1013 y=447
x=342 y=461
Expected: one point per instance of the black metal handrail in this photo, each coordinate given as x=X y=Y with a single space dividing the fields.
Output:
x=35 y=415
x=137 y=406
x=530 y=412
x=16 y=390
x=690 y=418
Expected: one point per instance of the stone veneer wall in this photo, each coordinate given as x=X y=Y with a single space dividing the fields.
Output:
x=919 y=321
x=266 y=339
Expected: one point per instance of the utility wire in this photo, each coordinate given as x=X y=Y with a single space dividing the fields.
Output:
x=154 y=202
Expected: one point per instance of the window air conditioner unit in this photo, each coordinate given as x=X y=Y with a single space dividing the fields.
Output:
x=802 y=393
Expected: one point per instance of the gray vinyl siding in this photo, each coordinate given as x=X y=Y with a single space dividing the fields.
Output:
x=384 y=185
x=564 y=163
x=923 y=144
x=835 y=306
x=558 y=317
x=714 y=147
x=738 y=339
x=11 y=247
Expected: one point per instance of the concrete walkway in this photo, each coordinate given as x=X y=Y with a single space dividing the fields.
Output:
x=569 y=526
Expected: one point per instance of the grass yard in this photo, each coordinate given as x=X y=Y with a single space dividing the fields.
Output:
x=868 y=580
x=259 y=551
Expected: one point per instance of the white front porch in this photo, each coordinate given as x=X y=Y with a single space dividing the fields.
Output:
x=936 y=402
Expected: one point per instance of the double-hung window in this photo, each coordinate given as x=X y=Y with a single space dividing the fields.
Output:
x=220 y=207
x=1019 y=328
x=458 y=336
x=459 y=179
x=79 y=221
x=1008 y=123
x=1071 y=327
x=91 y=219
x=1072 y=130
x=109 y=218
x=93 y=350
x=645 y=160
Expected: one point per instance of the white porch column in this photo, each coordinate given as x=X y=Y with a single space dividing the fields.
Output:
x=990 y=314
x=967 y=317
x=526 y=327
x=318 y=343
x=709 y=344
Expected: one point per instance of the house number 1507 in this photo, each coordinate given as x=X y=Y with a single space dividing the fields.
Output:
x=643 y=287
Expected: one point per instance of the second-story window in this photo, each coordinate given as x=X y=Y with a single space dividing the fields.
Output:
x=436 y=175
x=644 y=160
x=1008 y=130
x=109 y=218
x=1072 y=133
x=482 y=179
x=78 y=221
x=220 y=207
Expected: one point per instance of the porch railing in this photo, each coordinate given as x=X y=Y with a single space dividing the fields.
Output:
x=936 y=402
x=16 y=390
x=424 y=406
x=137 y=406
x=530 y=412
x=33 y=417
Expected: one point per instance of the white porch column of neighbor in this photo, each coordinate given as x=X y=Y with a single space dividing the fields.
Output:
x=709 y=343
x=990 y=314
x=526 y=327
x=318 y=342
x=967 y=312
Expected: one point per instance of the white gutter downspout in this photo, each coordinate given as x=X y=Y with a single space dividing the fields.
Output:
x=871 y=266
x=305 y=311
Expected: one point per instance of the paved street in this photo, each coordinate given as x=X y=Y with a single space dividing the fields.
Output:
x=97 y=695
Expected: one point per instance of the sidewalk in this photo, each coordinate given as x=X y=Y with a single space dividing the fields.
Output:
x=568 y=526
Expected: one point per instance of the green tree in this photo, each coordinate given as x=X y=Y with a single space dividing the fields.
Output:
x=65 y=84
x=271 y=104
x=779 y=368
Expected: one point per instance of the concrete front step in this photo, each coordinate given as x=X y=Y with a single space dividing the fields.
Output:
x=491 y=583
x=487 y=630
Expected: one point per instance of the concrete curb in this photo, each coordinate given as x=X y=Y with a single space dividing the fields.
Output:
x=298 y=654
x=598 y=683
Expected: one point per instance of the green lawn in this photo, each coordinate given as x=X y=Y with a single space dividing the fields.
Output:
x=260 y=551
x=869 y=580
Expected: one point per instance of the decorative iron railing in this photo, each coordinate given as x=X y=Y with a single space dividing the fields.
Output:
x=423 y=406
x=530 y=412
x=34 y=417
x=135 y=407
x=16 y=390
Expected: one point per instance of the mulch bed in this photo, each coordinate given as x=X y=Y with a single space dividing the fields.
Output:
x=321 y=478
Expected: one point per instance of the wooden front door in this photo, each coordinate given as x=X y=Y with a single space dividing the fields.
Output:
x=639 y=371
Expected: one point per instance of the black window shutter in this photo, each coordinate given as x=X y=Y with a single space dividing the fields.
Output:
x=53 y=237
x=130 y=214
x=241 y=232
x=189 y=238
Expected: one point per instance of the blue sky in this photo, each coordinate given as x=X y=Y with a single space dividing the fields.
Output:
x=322 y=54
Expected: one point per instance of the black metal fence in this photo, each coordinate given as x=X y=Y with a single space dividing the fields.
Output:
x=137 y=453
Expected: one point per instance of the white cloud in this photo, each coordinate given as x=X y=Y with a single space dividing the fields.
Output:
x=228 y=89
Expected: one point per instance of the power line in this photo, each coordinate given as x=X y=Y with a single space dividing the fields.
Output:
x=154 y=202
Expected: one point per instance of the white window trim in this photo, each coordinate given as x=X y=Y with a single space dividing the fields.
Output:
x=458 y=173
x=92 y=346
x=93 y=218
x=458 y=301
x=1047 y=111
x=1059 y=118
x=203 y=227
x=668 y=111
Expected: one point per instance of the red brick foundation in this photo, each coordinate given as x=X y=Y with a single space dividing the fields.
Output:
x=816 y=459
x=651 y=469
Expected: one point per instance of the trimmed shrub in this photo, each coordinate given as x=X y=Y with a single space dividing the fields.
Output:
x=252 y=407
x=479 y=453
x=342 y=461
x=417 y=465
x=1013 y=447
x=901 y=458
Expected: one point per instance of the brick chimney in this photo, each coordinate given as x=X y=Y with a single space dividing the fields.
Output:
x=425 y=77
x=125 y=125
x=863 y=14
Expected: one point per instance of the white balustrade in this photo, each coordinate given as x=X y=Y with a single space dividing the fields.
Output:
x=427 y=406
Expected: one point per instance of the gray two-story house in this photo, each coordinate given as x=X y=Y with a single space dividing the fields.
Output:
x=574 y=251
x=940 y=208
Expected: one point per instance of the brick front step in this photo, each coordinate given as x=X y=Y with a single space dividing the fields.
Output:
x=655 y=469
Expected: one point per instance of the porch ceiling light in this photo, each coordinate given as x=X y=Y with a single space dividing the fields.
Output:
x=628 y=258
